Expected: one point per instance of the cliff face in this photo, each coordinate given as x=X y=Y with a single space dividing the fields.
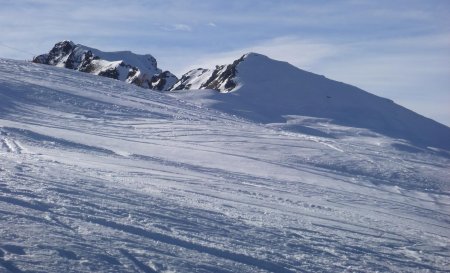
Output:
x=222 y=78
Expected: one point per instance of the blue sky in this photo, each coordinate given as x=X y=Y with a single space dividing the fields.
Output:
x=395 y=49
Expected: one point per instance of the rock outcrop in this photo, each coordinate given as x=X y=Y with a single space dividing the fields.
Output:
x=140 y=70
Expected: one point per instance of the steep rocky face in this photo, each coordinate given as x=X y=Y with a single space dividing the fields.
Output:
x=222 y=78
x=140 y=70
x=61 y=53
x=163 y=81
x=192 y=79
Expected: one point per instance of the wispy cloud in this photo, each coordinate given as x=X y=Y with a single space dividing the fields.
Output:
x=177 y=27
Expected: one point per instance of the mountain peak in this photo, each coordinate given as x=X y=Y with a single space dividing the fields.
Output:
x=65 y=43
x=225 y=78
x=261 y=89
x=267 y=91
x=251 y=55
x=126 y=66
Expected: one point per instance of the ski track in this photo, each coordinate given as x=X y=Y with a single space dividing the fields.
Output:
x=100 y=176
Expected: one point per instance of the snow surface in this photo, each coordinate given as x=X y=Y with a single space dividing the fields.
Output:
x=97 y=175
x=145 y=63
x=268 y=90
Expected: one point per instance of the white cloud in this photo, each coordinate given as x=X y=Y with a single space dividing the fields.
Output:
x=176 y=27
x=181 y=27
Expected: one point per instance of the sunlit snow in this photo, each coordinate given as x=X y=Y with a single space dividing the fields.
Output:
x=97 y=175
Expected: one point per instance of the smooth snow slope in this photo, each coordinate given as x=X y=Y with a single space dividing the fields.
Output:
x=268 y=90
x=100 y=176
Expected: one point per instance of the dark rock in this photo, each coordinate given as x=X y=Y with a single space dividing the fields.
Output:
x=222 y=78
x=110 y=73
x=163 y=81
x=84 y=59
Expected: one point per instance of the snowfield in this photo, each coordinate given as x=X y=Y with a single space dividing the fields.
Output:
x=97 y=175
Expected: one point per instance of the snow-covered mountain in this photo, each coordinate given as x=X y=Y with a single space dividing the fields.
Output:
x=97 y=175
x=262 y=90
x=269 y=91
x=223 y=78
x=140 y=70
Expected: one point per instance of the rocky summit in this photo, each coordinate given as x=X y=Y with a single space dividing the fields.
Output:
x=127 y=66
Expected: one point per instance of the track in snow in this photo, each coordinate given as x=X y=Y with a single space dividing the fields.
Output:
x=100 y=176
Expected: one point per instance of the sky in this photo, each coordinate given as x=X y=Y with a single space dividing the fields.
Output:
x=395 y=49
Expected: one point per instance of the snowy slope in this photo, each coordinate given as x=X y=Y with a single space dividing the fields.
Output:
x=127 y=66
x=264 y=90
x=97 y=175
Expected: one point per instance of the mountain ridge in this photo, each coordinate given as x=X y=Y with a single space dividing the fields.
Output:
x=266 y=90
x=261 y=89
x=140 y=70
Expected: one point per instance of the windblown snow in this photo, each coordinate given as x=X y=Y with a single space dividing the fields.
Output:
x=97 y=175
